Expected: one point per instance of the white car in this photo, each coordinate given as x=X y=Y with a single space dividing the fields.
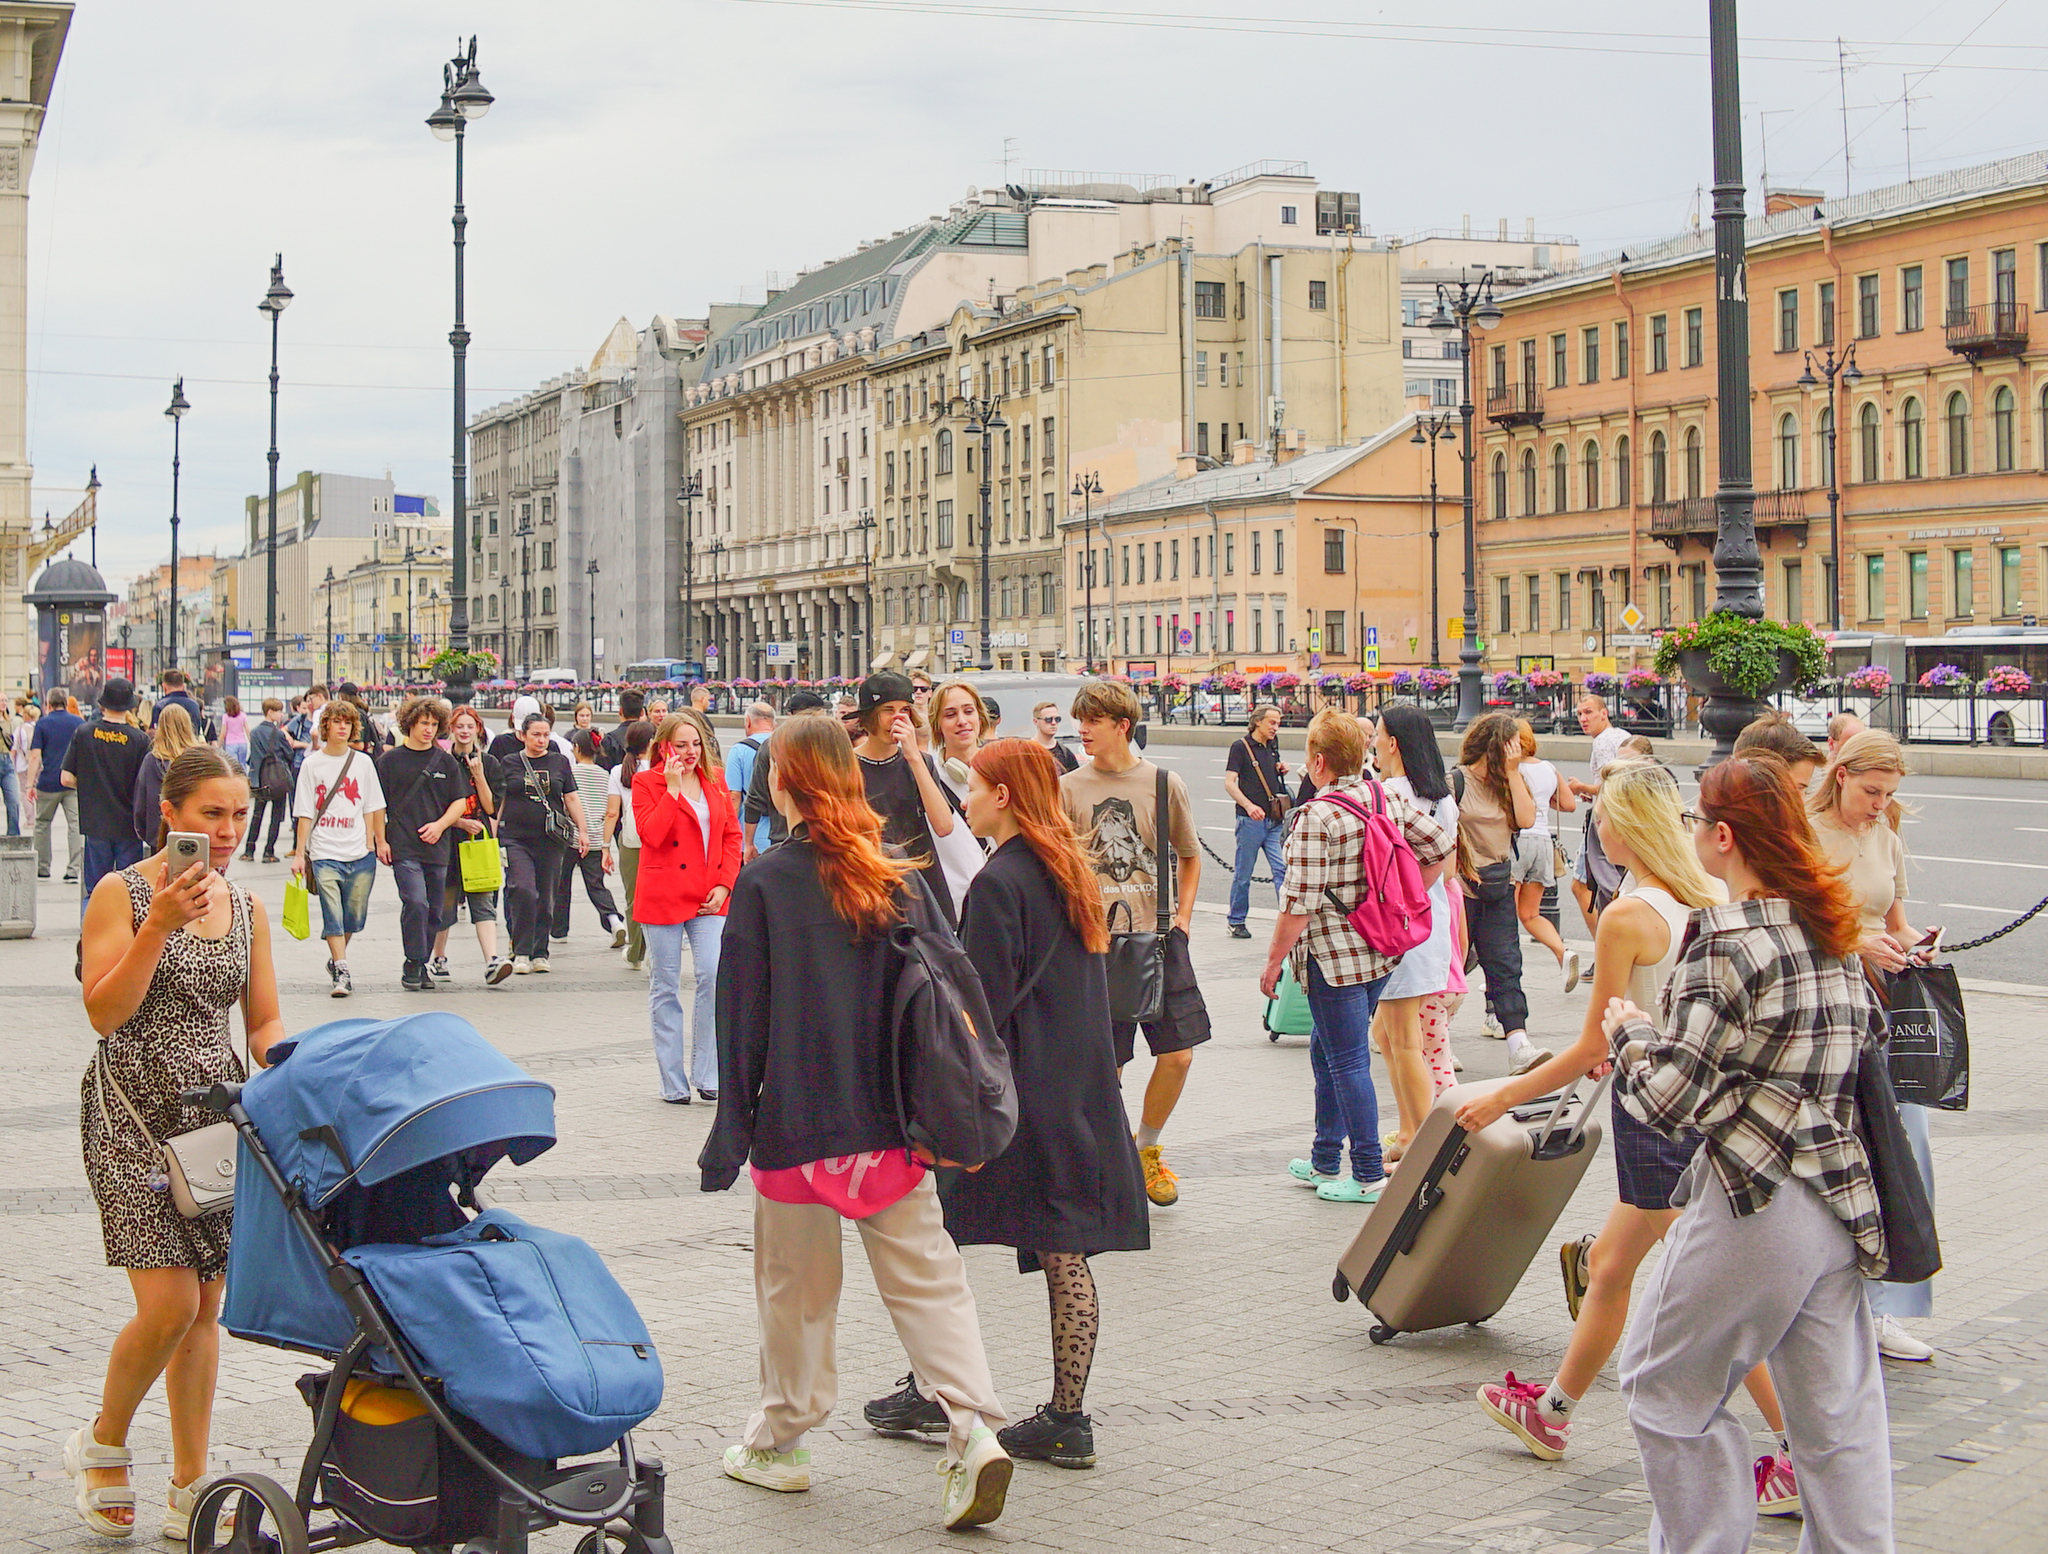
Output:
x=555 y=676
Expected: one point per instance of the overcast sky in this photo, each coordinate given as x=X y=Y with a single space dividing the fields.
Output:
x=650 y=156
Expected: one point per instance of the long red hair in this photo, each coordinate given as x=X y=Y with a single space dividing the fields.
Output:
x=1753 y=793
x=815 y=765
x=1028 y=770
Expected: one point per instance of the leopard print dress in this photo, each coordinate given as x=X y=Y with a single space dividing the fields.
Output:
x=177 y=1039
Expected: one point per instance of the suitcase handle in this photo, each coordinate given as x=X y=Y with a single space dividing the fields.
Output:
x=1544 y=1149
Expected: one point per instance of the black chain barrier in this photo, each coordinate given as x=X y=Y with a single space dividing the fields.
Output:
x=1999 y=933
x=1267 y=879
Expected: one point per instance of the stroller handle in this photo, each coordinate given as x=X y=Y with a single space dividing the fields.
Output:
x=215 y=1098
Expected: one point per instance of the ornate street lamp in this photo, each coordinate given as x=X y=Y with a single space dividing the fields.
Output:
x=715 y=550
x=866 y=634
x=177 y=411
x=590 y=572
x=687 y=497
x=984 y=419
x=1088 y=487
x=275 y=301
x=1830 y=369
x=1458 y=308
x=1433 y=429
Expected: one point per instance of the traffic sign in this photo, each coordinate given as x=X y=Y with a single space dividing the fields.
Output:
x=1372 y=636
x=1454 y=628
x=710 y=653
x=1632 y=639
x=1187 y=638
x=1372 y=655
x=1632 y=616
x=957 y=636
x=1315 y=639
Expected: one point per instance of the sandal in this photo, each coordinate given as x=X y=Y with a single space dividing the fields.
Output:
x=182 y=1502
x=83 y=1454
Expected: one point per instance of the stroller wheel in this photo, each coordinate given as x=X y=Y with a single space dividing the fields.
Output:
x=618 y=1538
x=266 y=1519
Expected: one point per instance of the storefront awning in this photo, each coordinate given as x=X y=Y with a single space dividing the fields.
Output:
x=918 y=659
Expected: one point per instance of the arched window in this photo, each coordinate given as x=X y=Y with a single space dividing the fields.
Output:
x=2004 y=438
x=493 y=606
x=1957 y=414
x=1695 y=471
x=942 y=451
x=1912 y=440
x=960 y=603
x=1589 y=475
x=1824 y=443
x=547 y=601
x=1560 y=480
x=924 y=604
x=1624 y=472
x=1500 y=479
x=1788 y=452
x=1528 y=481
x=1869 y=465
x=1045 y=598
x=2041 y=441
x=1660 y=468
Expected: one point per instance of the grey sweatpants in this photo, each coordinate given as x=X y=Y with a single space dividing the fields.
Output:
x=1780 y=1286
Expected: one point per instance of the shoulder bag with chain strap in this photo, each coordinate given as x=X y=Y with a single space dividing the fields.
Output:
x=1137 y=957
x=555 y=818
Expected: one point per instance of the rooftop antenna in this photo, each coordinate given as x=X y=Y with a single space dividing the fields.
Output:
x=1763 y=135
x=1009 y=156
x=1842 y=86
x=1906 y=101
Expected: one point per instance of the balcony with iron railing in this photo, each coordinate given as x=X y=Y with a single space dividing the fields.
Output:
x=1696 y=517
x=1515 y=404
x=1990 y=329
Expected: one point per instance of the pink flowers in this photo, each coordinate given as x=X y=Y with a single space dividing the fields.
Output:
x=1870 y=680
x=2008 y=680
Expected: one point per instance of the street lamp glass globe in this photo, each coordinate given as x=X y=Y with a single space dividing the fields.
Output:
x=179 y=404
x=996 y=423
x=470 y=98
x=1854 y=374
x=1806 y=379
x=1489 y=314
x=1418 y=439
x=444 y=120
x=1441 y=319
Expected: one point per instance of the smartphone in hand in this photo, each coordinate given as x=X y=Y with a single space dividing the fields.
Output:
x=185 y=848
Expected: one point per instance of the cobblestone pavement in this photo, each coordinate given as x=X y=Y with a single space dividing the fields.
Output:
x=1236 y=1406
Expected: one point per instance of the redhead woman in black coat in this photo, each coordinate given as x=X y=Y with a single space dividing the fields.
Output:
x=1069 y=1185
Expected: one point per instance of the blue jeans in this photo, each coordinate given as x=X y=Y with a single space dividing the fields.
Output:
x=1340 y=1055
x=344 y=894
x=10 y=788
x=665 y=1003
x=1253 y=838
x=103 y=856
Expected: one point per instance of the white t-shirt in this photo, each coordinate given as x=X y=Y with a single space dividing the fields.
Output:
x=1541 y=777
x=629 y=828
x=341 y=836
x=1606 y=747
x=24 y=731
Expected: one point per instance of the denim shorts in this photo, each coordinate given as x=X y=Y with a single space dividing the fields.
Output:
x=1535 y=863
x=344 y=894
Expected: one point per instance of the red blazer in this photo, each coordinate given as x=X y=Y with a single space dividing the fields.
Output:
x=679 y=865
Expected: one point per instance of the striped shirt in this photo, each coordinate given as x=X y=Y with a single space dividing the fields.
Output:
x=1761 y=1036
x=591 y=782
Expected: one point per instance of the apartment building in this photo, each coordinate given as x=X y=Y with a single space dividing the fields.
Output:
x=1598 y=459
x=515 y=541
x=1443 y=256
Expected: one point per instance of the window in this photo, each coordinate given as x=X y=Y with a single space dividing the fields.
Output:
x=1046 y=377
x=1788 y=453
x=1912 y=300
x=1624 y=473
x=1500 y=481
x=1866 y=306
x=1794 y=596
x=1873 y=588
x=1333 y=632
x=1788 y=319
x=1201 y=369
x=1258 y=631
x=1560 y=482
x=1663 y=596
x=1318 y=296
x=1957 y=274
x=1535 y=592
x=1916 y=585
x=1589 y=475
x=1962 y=572
x=1621 y=347
x=1957 y=416
x=1279 y=554
x=1695 y=474
x=1175 y=574
x=1505 y=623
x=1499 y=372
x=1558 y=362
x=1660 y=471
x=2004 y=443
x=1333 y=550
x=1660 y=342
x=2010 y=600
x=1589 y=354
x=1695 y=337
x=1868 y=466
x=1529 y=362
x=1257 y=553
x=1528 y=482
x=2005 y=279
x=1208 y=299
x=1288 y=215
x=1912 y=440
x=1564 y=601
x=942 y=448
x=547 y=602
x=1202 y=437
x=1699 y=593
x=943 y=513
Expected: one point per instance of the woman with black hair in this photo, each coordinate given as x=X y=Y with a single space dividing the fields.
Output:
x=1418 y=994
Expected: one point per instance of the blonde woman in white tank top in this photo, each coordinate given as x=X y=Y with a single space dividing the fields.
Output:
x=1636 y=946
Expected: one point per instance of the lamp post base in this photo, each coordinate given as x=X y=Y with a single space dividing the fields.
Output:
x=1471 y=696
x=1727 y=711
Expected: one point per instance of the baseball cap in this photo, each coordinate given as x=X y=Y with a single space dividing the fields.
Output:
x=118 y=695
x=804 y=701
x=886 y=686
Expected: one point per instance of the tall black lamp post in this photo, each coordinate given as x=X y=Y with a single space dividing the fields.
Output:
x=1088 y=487
x=274 y=302
x=463 y=98
x=984 y=419
x=328 y=584
x=1830 y=369
x=687 y=496
x=866 y=635
x=179 y=406
x=590 y=572
x=715 y=550
x=1433 y=429
x=410 y=556
x=524 y=534
x=1459 y=308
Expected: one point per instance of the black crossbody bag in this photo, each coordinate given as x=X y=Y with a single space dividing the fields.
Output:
x=1137 y=958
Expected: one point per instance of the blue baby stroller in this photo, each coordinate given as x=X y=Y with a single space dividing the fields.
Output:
x=470 y=1351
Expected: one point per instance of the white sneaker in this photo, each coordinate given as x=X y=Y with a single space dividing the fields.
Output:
x=1493 y=1027
x=1530 y=1056
x=787 y=1472
x=538 y=963
x=1571 y=970
x=619 y=935
x=521 y=965
x=1895 y=1343
x=977 y=1483
x=343 y=986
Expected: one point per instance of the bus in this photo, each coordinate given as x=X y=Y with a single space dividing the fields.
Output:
x=653 y=671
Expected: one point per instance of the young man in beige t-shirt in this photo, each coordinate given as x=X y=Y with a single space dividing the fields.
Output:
x=1112 y=800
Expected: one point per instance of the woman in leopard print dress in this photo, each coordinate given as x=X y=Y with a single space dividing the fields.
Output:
x=164 y=961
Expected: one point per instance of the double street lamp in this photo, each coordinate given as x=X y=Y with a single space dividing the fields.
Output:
x=275 y=301
x=1433 y=429
x=984 y=418
x=1829 y=369
x=590 y=572
x=687 y=497
x=463 y=98
x=176 y=412
x=1458 y=308
x=715 y=550
x=866 y=635
x=1088 y=487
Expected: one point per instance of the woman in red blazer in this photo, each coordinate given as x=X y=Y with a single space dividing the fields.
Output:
x=689 y=858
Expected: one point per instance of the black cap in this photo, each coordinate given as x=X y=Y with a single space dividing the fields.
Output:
x=804 y=701
x=118 y=695
x=886 y=686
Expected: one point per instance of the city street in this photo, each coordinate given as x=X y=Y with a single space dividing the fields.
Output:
x=1236 y=1407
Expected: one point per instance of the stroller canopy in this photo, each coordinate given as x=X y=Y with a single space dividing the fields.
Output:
x=360 y=1101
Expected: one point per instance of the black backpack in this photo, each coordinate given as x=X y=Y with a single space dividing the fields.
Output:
x=274 y=777
x=955 y=1096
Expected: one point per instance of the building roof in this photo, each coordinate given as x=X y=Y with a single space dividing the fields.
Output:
x=70 y=581
x=1900 y=199
x=1260 y=480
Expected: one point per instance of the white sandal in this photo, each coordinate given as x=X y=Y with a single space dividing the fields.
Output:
x=82 y=1454
x=182 y=1502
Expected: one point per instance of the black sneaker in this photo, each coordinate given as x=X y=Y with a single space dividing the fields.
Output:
x=1239 y=931
x=1064 y=1440
x=907 y=1413
x=414 y=978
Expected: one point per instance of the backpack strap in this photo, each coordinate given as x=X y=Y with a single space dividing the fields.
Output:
x=1162 y=851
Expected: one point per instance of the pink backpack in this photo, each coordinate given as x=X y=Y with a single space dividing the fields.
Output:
x=1393 y=915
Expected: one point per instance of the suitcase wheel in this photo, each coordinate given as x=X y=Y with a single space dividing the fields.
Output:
x=1379 y=1332
x=1340 y=1288
x=1273 y=1037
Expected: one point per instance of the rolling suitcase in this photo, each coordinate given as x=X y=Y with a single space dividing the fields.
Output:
x=1457 y=1225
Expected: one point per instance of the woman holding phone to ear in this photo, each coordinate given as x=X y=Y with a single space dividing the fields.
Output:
x=164 y=958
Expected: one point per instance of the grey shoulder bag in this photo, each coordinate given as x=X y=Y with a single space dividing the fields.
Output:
x=1136 y=963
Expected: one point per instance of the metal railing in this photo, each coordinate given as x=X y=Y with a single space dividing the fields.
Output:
x=1514 y=404
x=1990 y=327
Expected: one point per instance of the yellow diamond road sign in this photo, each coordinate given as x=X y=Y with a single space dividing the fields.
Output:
x=1632 y=617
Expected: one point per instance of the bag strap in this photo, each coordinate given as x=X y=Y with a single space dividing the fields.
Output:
x=1256 y=767
x=1162 y=852
x=1030 y=982
x=327 y=798
x=417 y=783
x=104 y=1076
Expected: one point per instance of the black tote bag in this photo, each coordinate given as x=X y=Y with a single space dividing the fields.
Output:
x=1136 y=962
x=1901 y=1195
x=1928 y=1050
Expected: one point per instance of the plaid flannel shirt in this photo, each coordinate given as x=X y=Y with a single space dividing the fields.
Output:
x=1324 y=852
x=1758 y=1053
